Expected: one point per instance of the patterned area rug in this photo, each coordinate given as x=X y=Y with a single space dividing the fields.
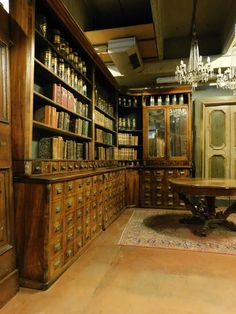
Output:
x=161 y=228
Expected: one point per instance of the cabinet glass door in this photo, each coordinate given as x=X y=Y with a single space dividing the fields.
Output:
x=156 y=133
x=178 y=132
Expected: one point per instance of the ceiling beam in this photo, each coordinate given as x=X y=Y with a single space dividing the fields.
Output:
x=156 y=16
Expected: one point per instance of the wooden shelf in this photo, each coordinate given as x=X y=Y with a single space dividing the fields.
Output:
x=130 y=131
x=105 y=113
x=48 y=101
x=48 y=128
x=104 y=144
x=105 y=129
x=48 y=75
x=129 y=146
x=44 y=41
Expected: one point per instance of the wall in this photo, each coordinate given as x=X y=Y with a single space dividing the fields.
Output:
x=201 y=95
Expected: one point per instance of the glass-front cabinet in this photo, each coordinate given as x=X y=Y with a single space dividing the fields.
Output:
x=167 y=130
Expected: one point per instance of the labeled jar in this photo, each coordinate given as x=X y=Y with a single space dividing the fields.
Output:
x=43 y=25
x=54 y=63
x=46 y=57
x=56 y=38
x=61 y=68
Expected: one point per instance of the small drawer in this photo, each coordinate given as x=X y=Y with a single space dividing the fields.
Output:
x=69 y=219
x=55 y=265
x=79 y=184
x=88 y=182
x=69 y=236
x=69 y=203
x=57 y=190
x=69 y=253
x=57 y=208
x=57 y=227
x=55 y=166
x=87 y=196
x=56 y=247
x=69 y=187
x=70 y=165
x=63 y=166
x=80 y=200
x=78 y=243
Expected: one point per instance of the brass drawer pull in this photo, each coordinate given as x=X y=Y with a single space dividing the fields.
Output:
x=87 y=210
x=79 y=245
x=37 y=168
x=70 y=167
x=69 y=204
x=57 y=264
x=63 y=167
x=58 y=209
x=69 y=253
x=58 y=227
x=59 y=190
x=69 y=220
x=70 y=237
x=79 y=229
x=57 y=247
x=79 y=215
x=70 y=187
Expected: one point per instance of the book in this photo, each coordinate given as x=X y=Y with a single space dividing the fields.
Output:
x=43 y=115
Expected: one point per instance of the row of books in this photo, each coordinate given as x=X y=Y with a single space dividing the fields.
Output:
x=62 y=120
x=127 y=139
x=105 y=153
x=104 y=137
x=65 y=98
x=57 y=148
x=102 y=120
x=127 y=154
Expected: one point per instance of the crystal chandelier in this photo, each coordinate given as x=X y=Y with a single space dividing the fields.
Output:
x=227 y=80
x=196 y=70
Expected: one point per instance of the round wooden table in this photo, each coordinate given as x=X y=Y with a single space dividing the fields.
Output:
x=204 y=212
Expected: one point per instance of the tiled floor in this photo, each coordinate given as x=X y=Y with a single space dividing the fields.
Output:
x=109 y=279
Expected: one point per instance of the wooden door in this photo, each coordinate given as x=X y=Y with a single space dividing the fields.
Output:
x=8 y=273
x=220 y=141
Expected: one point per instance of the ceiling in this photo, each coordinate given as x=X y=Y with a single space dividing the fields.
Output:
x=162 y=29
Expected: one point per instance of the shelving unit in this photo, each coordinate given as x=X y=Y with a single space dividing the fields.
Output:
x=167 y=138
x=129 y=127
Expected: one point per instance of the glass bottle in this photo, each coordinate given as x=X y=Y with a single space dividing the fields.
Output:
x=56 y=38
x=174 y=100
x=152 y=101
x=167 y=100
x=159 y=101
x=43 y=25
x=181 y=99
x=54 y=63
x=46 y=56
x=61 y=68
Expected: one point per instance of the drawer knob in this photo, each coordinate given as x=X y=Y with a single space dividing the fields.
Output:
x=58 y=209
x=57 y=247
x=69 y=204
x=59 y=190
x=70 y=237
x=57 y=264
x=69 y=220
x=63 y=167
x=70 y=167
x=79 y=230
x=69 y=253
x=70 y=187
x=58 y=227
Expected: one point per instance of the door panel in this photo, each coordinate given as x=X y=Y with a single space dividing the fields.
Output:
x=220 y=141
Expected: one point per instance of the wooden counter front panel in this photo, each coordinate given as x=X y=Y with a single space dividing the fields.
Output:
x=55 y=221
x=155 y=189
